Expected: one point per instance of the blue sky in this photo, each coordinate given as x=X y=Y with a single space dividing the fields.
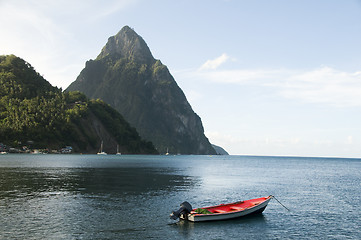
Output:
x=266 y=77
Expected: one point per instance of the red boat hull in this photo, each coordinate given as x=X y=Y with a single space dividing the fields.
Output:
x=229 y=211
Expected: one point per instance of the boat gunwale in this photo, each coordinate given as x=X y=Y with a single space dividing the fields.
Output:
x=230 y=212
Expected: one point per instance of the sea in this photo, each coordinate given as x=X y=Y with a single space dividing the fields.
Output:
x=131 y=196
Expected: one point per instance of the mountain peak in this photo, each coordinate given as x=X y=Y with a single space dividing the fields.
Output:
x=126 y=76
x=127 y=43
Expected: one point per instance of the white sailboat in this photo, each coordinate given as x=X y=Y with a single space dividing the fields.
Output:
x=101 y=150
x=118 y=153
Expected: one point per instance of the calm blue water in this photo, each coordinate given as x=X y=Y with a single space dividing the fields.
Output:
x=131 y=197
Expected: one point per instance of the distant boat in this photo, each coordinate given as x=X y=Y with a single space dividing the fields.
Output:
x=221 y=212
x=167 y=153
x=101 y=150
x=36 y=151
x=118 y=153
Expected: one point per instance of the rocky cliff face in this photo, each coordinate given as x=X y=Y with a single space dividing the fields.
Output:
x=220 y=150
x=128 y=44
x=141 y=88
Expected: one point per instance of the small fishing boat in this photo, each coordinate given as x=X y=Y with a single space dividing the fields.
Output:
x=223 y=211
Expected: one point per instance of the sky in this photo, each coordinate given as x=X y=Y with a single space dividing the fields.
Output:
x=274 y=78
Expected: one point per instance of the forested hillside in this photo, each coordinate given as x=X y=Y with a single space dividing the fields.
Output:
x=32 y=110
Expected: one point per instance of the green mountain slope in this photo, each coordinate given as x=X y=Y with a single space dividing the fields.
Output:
x=33 y=110
x=141 y=88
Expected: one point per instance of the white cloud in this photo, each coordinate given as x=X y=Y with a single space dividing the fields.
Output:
x=286 y=146
x=243 y=76
x=194 y=95
x=48 y=23
x=215 y=63
x=53 y=36
x=323 y=85
x=251 y=146
x=114 y=7
x=349 y=140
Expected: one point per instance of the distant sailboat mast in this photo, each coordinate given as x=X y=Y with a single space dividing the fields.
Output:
x=118 y=153
x=101 y=149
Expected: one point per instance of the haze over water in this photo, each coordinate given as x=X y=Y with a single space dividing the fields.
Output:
x=131 y=197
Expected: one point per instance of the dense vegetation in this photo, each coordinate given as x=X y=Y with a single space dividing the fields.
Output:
x=31 y=110
x=124 y=134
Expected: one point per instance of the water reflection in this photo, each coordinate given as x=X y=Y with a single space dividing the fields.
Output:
x=131 y=197
x=217 y=229
x=33 y=182
x=85 y=203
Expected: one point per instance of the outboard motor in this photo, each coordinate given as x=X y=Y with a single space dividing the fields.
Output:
x=184 y=209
